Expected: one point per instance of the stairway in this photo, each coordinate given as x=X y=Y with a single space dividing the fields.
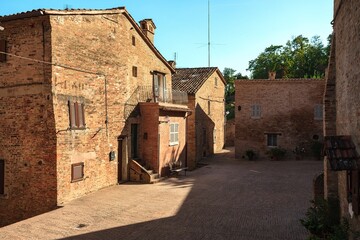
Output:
x=139 y=173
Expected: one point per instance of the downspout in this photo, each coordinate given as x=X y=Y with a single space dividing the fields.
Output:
x=186 y=142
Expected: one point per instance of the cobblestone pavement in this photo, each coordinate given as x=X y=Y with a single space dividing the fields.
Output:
x=225 y=199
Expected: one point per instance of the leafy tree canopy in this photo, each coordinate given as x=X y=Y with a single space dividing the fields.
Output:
x=298 y=58
x=230 y=76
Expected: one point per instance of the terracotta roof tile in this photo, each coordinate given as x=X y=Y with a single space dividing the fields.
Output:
x=191 y=79
x=341 y=152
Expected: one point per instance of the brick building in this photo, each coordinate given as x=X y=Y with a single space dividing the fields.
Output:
x=342 y=113
x=83 y=93
x=205 y=128
x=284 y=113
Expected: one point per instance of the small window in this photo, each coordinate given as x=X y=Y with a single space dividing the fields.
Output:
x=174 y=133
x=204 y=137
x=134 y=71
x=2 y=176
x=77 y=172
x=272 y=140
x=133 y=40
x=214 y=135
x=255 y=111
x=216 y=82
x=3 y=44
x=76 y=115
x=318 y=112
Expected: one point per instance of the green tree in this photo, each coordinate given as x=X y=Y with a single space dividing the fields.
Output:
x=298 y=58
x=230 y=76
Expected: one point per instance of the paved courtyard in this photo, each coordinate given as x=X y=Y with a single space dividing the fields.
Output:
x=225 y=199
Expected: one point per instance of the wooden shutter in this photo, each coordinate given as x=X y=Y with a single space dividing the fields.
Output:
x=72 y=114
x=77 y=171
x=355 y=191
x=2 y=49
x=82 y=115
x=2 y=176
x=156 y=86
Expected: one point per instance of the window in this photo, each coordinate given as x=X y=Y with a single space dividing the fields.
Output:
x=353 y=190
x=76 y=115
x=77 y=172
x=216 y=82
x=134 y=71
x=318 y=112
x=174 y=133
x=3 y=44
x=214 y=135
x=2 y=176
x=255 y=111
x=272 y=140
x=160 y=88
x=133 y=40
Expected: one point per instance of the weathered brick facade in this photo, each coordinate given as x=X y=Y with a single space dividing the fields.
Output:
x=281 y=107
x=343 y=85
x=99 y=58
x=206 y=126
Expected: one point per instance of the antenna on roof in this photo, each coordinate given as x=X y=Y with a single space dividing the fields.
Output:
x=175 y=56
x=209 y=33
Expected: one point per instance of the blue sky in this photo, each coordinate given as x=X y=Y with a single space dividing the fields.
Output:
x=240 y=29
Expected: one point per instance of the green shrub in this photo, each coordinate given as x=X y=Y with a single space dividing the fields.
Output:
x=276 y=153
x=322 y=221
x=250 y=154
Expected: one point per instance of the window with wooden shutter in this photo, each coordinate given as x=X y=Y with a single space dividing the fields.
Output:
x=355 y=191
x=134 y=71
x=76 y=115
x=255 y=111
x=3 y=44
x=2 y=176
x=77 y=172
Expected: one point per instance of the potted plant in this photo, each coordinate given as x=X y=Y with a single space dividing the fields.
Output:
x=250 y=154
x=276 y=153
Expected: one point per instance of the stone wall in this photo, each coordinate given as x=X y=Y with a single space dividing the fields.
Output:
x=210 y=117
x=287 y=109
x=98 y=43
x=347 y=72
x=93 y=55
x=27 y=129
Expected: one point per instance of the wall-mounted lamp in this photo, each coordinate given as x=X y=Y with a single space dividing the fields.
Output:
x=239 y=108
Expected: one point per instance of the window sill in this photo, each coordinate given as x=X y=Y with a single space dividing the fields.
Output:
x=78 y=128
x=4 y=196
x=174 y=144
x=77 y=180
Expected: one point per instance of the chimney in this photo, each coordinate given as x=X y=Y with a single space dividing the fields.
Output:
x=272 y=75
x=148 y=27
x=172 y=64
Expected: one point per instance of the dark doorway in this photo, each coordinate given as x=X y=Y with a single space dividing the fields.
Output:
x=134 y=140
x=2 y=176
x=120 y=159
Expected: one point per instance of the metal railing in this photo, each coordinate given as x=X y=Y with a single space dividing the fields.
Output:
x=149 y=94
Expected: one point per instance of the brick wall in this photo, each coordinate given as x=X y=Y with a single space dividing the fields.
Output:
x=209 y=114
x=100 y=44
x=287 y=109
x=37 y=144
x=157 y=151
x=347 y=54
x=27 y=132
